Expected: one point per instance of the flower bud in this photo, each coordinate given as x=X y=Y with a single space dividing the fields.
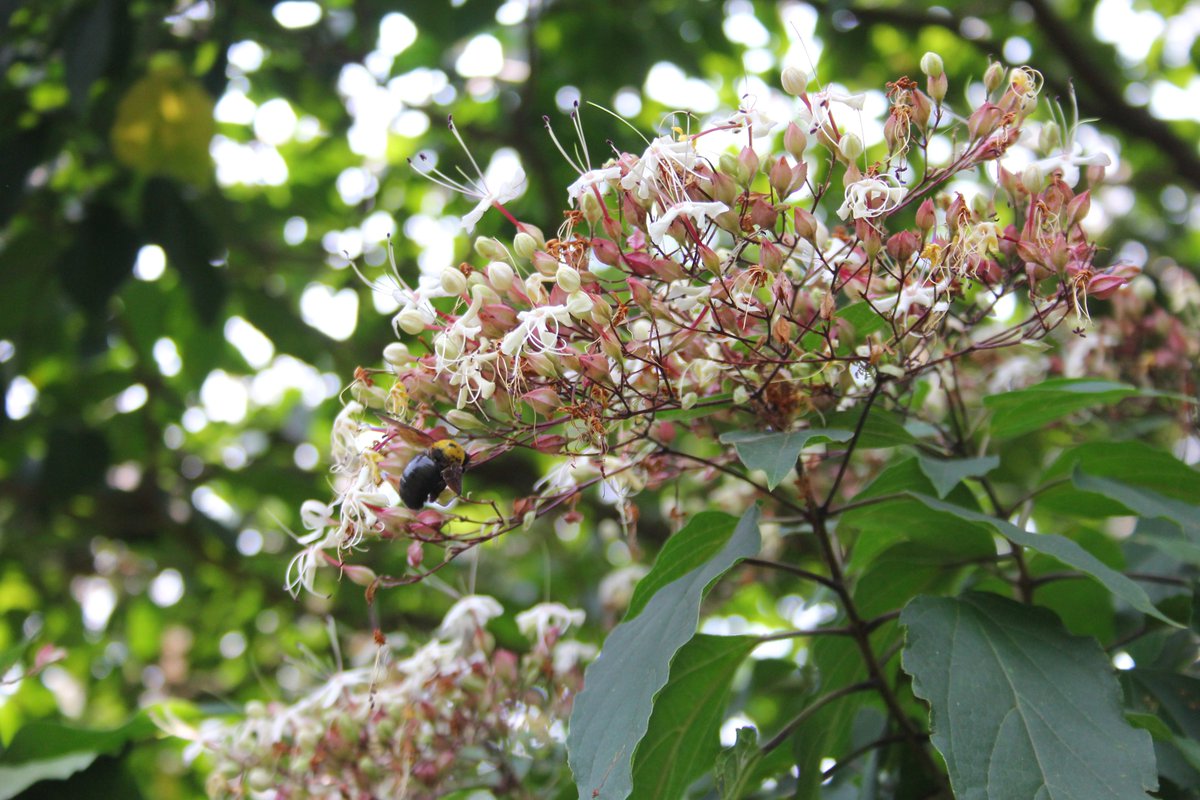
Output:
x=601 y=312
x=763 y=214
x=543 y=400
x=993 y=76
x=1078 y=208
x=524 y=245
x=465 y=421
x=497 y=319
x=770 y=256
x=453 y=281
x=567 y=278
x=724 y=189
x=850 y=146
x=415 y=554
x=1049 y=137
x=1032 y=179
x=931 y=65
x=491 y=249
x=794 y=81
x=805 y=222
x=921 y=108
x=446 y=347
x=358 y=574
x=984 y=120
x=500 y=275
x=591 y=208
x=795 y=141
x=926 y=216
x=748 y=163
x=545 y=263
x=937 y=88
x=639 y=292
x=901 y=246
x=580 y=304
x=410 y=320
x=397 y=354
x=606 y=252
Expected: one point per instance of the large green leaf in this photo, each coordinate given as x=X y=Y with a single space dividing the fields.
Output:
x=1132 y=463
x=612 y=713
x=1020 y=709
x=1065 y=551
x=1143 y=502
x=43 y=751
x=683 y=737
x=1025 y=410
x=776 y=453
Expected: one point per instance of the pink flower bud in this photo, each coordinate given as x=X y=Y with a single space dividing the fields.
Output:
x=358 y=574
x=794 y=140
x=922 y=108
x=747 y=163
x=497 y=319
x=543 y=400
x=926 y=216
x=709 y=258
x=937 y=87
x=770 y=257
x=1105 y=284
x=901 y=246
x=606 y=251
x=763 y=214
x=640 y=264
x=780 y=178
x=984 y=120
x=806 y=224
x=639 y=292
x=595 y=366
x=545 y=263
x=1078 y=208
x=668 y=270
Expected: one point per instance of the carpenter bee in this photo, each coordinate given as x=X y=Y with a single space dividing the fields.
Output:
x=438 y=466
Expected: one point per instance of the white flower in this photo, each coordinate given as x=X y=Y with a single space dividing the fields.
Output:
x=616 y=588
x=536 y=332
x=593 y=177
x=499 y=192
x=663 y=168
x=871 y=197
x=566 y=476
x=538 y=621
x=344 y=447
x=701 y=213
x=469 y=615
x=505 y=191
x=913 y=295
x=569 y=655
x=1068 y=161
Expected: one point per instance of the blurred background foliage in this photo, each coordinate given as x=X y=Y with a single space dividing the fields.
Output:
x=181 y=185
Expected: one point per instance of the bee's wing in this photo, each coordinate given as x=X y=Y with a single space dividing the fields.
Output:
x=452 y=475
x=414 y=436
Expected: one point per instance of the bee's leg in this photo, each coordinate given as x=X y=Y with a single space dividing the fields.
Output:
x=444 y=508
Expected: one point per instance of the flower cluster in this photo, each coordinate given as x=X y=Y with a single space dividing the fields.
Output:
x=710 y=281
x=458 y=713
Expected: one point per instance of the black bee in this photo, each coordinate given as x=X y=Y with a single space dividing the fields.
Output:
x=428 y=474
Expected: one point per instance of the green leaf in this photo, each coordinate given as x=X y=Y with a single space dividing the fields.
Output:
x=776 y=453
x=1019 y=708
x=735 y=765
x=1189 y=749
x=612 y=713
x=1133 y=463
x=1025 y=410
x=703 y=408
x=1065 y=551
x=883 y=428
x=684 y=733
x=1142 y=501
x=948 y=473
x=48 y=751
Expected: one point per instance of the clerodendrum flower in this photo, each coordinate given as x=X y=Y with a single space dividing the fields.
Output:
x=663 y=168
x=871 y=197
x=700 y=212
x=496 y=195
